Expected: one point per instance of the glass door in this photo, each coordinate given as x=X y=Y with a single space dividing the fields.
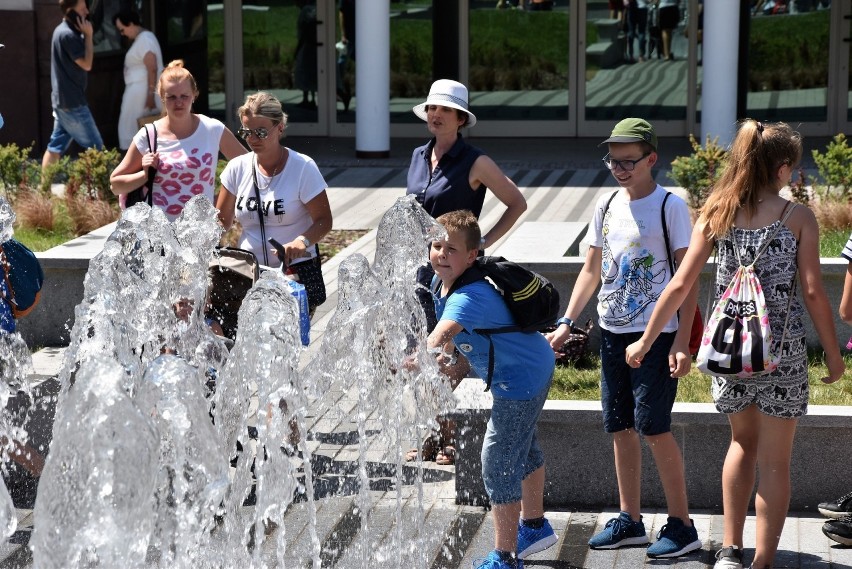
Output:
x=844 y=69
x=279 y=46
x=637 y=62
x=519 y=74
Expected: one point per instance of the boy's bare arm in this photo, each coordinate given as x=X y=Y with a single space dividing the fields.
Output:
x=443 y=333
x=846 y=299
x=585 y=287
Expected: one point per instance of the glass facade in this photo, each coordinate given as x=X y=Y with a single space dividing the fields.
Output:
x=636 y=62
x=519 y=60
x=788 y=61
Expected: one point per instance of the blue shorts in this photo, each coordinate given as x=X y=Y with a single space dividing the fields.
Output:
x=510 y=451
x=76 y=124
x=640 y=398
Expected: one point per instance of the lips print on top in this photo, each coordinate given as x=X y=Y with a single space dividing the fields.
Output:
x=187 y=166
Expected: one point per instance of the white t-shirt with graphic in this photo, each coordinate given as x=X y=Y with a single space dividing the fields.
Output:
x=187 y=166
x=285 y=215
x=635 y=268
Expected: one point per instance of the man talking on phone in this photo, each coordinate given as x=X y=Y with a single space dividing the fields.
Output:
x=71 y=56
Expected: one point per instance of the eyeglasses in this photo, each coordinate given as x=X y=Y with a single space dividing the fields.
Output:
x=260 y=132
x=626 y=165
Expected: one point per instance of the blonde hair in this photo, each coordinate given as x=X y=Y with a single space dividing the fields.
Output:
x=758 y=150
x=175 y=72
x=463 y=222
x=262 y=104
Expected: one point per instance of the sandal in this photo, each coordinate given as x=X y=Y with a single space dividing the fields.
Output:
x=431 y=447
x=447 y=457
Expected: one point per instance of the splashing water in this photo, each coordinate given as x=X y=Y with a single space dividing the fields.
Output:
x=15 y=368
x=138 y=473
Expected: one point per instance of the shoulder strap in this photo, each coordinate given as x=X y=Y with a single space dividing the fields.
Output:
x=609 y=201
x=785 y=214
x=149 y=197
x=669 y=252
x=259 y=212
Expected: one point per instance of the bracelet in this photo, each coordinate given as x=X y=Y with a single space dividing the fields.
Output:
x=482 y=243
x=565 y=320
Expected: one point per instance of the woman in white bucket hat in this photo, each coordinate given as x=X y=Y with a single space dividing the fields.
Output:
x=448 y=174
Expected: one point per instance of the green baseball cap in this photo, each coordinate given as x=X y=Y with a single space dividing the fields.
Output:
x=633 y=130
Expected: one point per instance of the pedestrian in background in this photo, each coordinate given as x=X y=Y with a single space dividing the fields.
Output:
x=71 y=56
x=143 y=64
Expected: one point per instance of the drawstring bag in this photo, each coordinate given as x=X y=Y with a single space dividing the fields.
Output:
x=737 y=340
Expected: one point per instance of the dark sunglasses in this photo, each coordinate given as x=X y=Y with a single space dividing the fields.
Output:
x=259 y=132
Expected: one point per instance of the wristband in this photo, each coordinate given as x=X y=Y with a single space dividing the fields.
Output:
x=482 y=243
x=566 y=321
x=304 y=240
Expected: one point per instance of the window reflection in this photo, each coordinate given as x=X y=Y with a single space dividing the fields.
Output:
x=788 y=60
x=636 y=61
x=519 y=60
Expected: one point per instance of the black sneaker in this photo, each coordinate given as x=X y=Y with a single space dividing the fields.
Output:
x=839 y=530
x=838 y=508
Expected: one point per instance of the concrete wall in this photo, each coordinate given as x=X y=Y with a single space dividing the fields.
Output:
x=580 y=466
x=65 y=268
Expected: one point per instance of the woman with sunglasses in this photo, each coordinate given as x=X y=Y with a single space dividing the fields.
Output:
x=183 y=147
x=294 y=210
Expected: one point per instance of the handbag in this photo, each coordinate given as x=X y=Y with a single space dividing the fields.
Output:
x=149 y=118
x=738 y=340
x=144 y=193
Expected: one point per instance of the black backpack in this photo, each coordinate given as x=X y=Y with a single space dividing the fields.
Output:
x=531 y=298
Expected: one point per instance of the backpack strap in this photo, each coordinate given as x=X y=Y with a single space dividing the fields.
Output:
x=669 y=252
x=149 y=183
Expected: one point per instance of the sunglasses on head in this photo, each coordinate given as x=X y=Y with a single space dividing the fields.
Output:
x=260 y=132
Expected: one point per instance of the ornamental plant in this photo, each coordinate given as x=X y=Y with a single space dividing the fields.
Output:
x=835 y=170
x=697 y=172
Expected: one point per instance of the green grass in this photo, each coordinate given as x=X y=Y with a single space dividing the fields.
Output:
x=831 y=242
x=583 y=383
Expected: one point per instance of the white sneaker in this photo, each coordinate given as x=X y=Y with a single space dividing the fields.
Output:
x=730 y=557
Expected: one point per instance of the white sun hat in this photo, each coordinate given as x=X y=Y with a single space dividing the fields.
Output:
x=446 y=93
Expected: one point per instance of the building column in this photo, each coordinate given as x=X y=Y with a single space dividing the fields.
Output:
x=720 y=55
x=372 y=79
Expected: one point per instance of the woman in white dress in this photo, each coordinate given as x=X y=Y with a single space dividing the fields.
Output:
x=143 y=63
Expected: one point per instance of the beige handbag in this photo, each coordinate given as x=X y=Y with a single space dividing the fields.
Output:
x=148 y=119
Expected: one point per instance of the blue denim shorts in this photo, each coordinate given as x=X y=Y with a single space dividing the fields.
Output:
x=640 y=398
x=76 y=124
x=510 y=451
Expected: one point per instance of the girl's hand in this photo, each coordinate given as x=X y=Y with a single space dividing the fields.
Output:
x=557 y=338
x=836 y=367
x=635 y=352
x=150 y=159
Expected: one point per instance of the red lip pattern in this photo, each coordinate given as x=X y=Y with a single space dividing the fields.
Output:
x=183 y=174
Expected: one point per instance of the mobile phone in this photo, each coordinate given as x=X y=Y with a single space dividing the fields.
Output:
x=279 y=250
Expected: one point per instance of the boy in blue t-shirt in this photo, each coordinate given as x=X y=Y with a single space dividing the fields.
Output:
x=7 y=319
x=512 y=462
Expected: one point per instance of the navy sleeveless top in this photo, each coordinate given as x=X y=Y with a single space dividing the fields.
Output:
x=448 y=188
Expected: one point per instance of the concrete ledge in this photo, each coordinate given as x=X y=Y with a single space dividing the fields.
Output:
x=581 y=471
x=65 y=268
x=546 y=239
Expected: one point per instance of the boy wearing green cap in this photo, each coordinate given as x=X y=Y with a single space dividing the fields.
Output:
x=628 y=254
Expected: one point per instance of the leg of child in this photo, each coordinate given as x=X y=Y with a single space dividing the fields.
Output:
x=506 y=526
x=669 y=463
x=628 y=470
x=532 y=492
x=738 y=473
x=774 y=452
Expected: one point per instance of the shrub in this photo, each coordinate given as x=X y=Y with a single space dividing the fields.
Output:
x=835 y=170
x=697 y=172
x=13 y=167
x=799 y=190
x=90 y=173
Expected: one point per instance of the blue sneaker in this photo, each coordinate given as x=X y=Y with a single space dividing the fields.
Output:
x=493 y=562
x=675 y=539
x=531 y=540
x=620 y=531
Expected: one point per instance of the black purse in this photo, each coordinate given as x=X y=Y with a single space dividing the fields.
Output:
x=145 y=193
